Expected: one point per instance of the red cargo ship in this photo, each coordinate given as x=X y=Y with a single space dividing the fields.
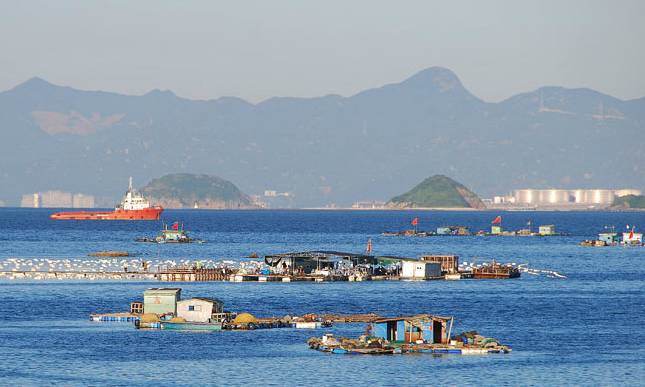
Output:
x=133 y=207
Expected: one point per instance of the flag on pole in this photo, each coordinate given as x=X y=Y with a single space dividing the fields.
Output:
x=175 y=226
x=497 y=220
x=631 y=234
x=415 y=221
x=369 y=246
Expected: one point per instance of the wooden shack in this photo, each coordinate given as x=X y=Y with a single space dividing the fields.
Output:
x=449 y=263
x=199 y=309
x=427 y=328
x=161 y=300
x=420 y=270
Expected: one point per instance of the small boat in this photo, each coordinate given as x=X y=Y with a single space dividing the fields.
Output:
x=173 y=234
x=593 y=243
x=408 y=233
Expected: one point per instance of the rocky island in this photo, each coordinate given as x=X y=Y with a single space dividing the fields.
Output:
x=629 y=202
x=437 y=191
x=184 y=190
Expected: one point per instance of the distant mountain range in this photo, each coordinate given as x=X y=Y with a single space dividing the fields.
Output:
x=372 y=145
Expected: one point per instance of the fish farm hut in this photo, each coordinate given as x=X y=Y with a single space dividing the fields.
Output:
x=546 y=230
x=199 y=309
x=610 y=238
x=420 y=270
x=427 y=328
x=449 y=263
x=632 y=238
x=453 y=230
x=161 y=300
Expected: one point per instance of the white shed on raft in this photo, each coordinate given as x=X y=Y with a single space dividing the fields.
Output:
x=630 y=238
x=420 y=270
x=199 y=309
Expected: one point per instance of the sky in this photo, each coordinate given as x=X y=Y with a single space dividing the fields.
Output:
x=258 y=49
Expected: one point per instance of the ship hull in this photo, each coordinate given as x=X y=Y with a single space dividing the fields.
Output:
x=496 y=275
x=152 y=213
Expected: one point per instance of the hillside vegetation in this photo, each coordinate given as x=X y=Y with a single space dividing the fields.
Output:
x=438 y=191
x=183 y=190
x=630 y=201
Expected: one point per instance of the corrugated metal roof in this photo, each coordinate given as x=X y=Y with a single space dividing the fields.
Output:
x=393 y=257
x=413 y=318
x=174 y=290
x=213 y=300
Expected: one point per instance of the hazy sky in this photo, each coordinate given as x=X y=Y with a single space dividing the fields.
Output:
x=257 y=49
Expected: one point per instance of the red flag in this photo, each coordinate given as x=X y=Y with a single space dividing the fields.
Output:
x=631 y=233
x=497 y=220
x=415 y=221
x=175 y=226
x=369 y=246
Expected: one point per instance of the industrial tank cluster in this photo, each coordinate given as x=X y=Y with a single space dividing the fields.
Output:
x=564 y=197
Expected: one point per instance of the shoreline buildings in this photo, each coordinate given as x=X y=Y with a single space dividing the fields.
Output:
x=560 y=198
x=57 y=199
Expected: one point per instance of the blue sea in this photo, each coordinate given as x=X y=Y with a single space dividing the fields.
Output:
x=587 y=329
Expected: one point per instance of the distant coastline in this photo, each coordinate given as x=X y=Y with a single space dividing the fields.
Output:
x=389 y=209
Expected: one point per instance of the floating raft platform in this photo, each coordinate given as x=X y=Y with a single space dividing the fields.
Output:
x=187 y=326
x=371 y=345
x=392 y=351
x=194 y=275
x=285 y=278
x=109 y=253
x=115 y=317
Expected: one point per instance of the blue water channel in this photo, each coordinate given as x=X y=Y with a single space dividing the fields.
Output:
x=586 y=329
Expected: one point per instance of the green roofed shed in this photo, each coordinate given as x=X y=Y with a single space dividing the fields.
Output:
x=161 y=300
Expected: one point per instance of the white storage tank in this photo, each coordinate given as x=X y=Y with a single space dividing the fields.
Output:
x=558 y=196
x=602 y=196
x=526 y=196
x=579 y=196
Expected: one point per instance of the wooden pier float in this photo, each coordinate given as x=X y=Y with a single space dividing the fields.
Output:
x=194 y=275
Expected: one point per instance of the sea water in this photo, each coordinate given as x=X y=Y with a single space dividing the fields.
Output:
x=585 y=329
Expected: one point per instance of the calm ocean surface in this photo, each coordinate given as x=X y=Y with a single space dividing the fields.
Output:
x=586 y=329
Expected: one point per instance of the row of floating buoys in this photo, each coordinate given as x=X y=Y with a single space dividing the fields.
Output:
x=105 y=268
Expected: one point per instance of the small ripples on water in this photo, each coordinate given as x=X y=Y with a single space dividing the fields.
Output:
x=586 y=329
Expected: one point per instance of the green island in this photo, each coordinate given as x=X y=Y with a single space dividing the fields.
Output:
x=629 y=202
x=437 y=191
x=185 y=190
